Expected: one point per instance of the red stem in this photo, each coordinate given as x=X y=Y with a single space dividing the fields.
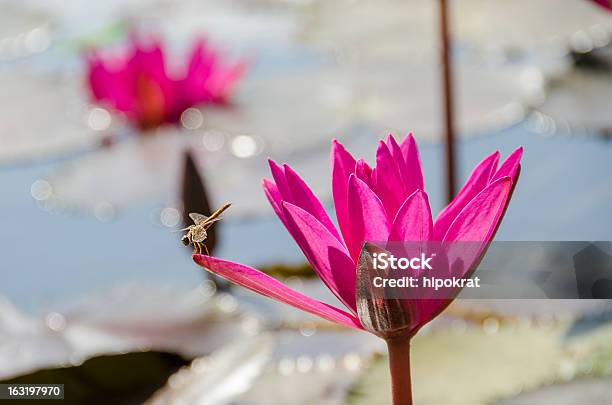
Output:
x=447 y=96
x=399 y=365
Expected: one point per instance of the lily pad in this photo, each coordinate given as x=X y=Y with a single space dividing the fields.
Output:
x=582 y=391
x=121 y=379
x=577 y=101
x=468 y=368
x=218 y=379
x=149 y=168
x=382 y=97
x=24 y=31
x=45 y=117
x=408 y=30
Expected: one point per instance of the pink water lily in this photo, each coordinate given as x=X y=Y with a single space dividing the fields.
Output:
x=138 y=83
x=385 y=202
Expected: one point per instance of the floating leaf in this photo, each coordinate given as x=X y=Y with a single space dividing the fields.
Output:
x=483 y=366
x=225 y=375
x=45 y=117
x=122 y=379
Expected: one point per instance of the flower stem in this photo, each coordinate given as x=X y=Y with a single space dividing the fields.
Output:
x=448 y=99
x=399 y=365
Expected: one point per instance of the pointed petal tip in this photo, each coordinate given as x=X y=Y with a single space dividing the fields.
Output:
x=503 y=179
x=354 y=181
x=200 y=259
x=510 y=165
x=265 y=182
x=495 y=156
x=516 y=154
x=519 y=151
x=275 y=167
x=337 y=145
x=422 y=194
x=409 y=141
x=286 y=167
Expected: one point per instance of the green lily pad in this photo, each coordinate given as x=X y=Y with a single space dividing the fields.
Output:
x=469 y=367
x=119 y=379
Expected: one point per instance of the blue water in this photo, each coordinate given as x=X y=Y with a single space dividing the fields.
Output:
x=48 y=259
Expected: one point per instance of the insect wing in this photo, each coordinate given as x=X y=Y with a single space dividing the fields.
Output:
x=197 y=218
x=217 y=213
x=198 y=234
x=182 y=230
x=206 y=224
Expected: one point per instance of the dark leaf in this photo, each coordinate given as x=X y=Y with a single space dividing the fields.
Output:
x=195 y=199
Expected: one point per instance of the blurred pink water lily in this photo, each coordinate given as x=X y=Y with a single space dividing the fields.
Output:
x=387 y=202
x=138 y=83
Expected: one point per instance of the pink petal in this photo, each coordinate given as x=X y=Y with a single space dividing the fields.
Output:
x=112 y=87
x=263 y=284
x=325 y=252
x=479 y=219
x=477 y=181
x=414 y=171
x=278 y=173
x=193 y=85
x=342 y=166
x=413 y=220
x=389 y=185
x=275 y=199
x=304 y=198
x=336 y=258
x=222 y=82
x=510 y=166
x=368 y=217
x=158 y=100
x=207 y=79
x=477 y=222
x=365 y=173
x=398 y=157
